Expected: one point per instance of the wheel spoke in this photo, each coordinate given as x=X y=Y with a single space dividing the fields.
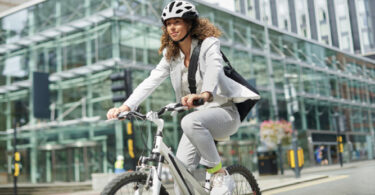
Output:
x=245 y=181
x=130 y=183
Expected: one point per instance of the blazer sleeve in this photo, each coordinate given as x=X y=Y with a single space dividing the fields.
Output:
x=213 y=64
x=147 y=86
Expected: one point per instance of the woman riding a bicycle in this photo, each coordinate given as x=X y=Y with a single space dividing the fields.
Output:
x=218 y=118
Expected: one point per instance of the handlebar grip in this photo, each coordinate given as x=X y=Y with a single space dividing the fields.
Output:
x=198 y=102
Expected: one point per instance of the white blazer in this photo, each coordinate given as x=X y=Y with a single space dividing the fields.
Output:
x=210 y=66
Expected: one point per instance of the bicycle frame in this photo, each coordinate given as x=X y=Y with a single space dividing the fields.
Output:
x=179 y=172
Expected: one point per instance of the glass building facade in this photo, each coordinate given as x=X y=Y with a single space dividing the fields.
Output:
x=81 y=43
x=345 y=24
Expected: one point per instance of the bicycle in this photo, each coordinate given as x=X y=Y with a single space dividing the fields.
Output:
x=147 y=178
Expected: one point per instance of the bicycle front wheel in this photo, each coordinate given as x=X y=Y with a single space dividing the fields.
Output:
x=244 y=179
x=130 y=183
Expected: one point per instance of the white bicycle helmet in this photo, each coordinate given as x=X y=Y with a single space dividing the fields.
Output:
x=179 y=9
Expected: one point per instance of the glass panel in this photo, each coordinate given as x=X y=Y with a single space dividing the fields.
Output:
x=72 y=10
x=363 y=92
x=16 y=25
x=365 y=121
x=3 y=108
x=2 y=76
x=354 y=89
x=260 y=70
x=322 y=83
x=323 y=114
x=372 y=94
x=282 y=107
x=240 y=32
x=356 y=119
x=104 y=41
x=241 y=61
x=44 y=15
x=347 y=119
x=276 y=47
x=264 y=106
x=310 y=114
x=308 y=80
x=98 y=5
x=344 y=88
x=333 y=86
x=17 y=66
x=278 y=72
x=257 y=37
x=74 y=55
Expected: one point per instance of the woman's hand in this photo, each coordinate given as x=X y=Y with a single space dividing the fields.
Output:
x=113 y=112
x=188 y=99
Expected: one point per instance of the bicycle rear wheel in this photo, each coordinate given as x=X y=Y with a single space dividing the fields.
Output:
x=244 y=179
x=130 y=183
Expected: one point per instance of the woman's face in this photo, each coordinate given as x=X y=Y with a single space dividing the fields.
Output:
x=176 y=28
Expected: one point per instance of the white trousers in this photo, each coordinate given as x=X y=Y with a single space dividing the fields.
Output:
x=200 y=129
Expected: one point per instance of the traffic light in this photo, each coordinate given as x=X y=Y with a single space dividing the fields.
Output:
x=16 y=167
x=121 y=85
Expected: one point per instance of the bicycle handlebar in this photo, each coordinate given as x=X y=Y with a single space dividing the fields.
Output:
x=170 y=107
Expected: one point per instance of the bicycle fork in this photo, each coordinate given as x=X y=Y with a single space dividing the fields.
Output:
x=156 y=180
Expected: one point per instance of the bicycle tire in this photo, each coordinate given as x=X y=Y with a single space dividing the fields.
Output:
x=239 y=173
x=127 y=183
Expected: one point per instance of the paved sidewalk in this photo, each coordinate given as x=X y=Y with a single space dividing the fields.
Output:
x=271 y=182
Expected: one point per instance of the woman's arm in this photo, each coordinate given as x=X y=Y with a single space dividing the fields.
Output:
x=144 y=89
x=213 y=64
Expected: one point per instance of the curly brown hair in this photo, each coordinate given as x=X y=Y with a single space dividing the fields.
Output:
x=202 y=29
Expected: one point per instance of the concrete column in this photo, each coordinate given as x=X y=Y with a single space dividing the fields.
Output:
x=76 y=164
x=257 y=9
x=48 y=167
x=292 y=15
x=274 y=15
x=333 y=23
x=312 y=18
x=354 y=25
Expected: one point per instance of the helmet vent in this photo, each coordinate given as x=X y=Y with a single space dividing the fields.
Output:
x=179 y=4
x=188 y=7
x=171 y=6
x=179 y=11
x=164 y=14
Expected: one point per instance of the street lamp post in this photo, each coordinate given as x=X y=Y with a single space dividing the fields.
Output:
x=292 y=108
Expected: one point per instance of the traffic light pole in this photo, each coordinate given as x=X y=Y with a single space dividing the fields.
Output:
x=14 y=158
x=294 y=132
x=338 y=137
x=130 y=135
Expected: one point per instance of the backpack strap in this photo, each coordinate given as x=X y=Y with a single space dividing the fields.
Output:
x=225 y=59
x=193 y=65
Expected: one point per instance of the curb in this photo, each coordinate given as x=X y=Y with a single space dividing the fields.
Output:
x=294 y=183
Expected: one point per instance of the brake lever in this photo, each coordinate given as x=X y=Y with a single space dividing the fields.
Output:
x=122 y=115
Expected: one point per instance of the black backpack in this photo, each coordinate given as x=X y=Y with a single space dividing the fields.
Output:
x=243 y=107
